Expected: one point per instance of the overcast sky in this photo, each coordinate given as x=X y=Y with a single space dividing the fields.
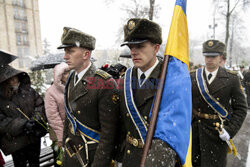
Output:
x=103 y=22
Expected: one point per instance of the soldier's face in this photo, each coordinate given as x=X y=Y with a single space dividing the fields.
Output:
x=144 y=54
x=212 y=62
x=76 y=58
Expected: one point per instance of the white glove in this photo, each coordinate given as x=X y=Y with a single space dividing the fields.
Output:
x=224 y=135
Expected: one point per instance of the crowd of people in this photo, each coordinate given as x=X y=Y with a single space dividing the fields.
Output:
x=98 y=123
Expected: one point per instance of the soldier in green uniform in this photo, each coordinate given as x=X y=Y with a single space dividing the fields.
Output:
x=143 y=37
x=219 y=108
x=92 y=105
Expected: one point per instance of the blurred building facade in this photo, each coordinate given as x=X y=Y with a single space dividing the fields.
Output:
x=20 y=31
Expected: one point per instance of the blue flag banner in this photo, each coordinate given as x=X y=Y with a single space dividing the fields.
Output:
x=175 y=113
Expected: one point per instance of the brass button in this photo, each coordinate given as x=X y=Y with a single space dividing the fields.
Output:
x=218 y=98
x=199 y=121
x=78 y=112
x=128 y=151
x=206 y=116
x=127 y=114
x=145 y=117
x=135 y=142
x=128 y=132
x=217 y=124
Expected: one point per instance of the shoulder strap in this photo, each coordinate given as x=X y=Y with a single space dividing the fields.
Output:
x=211 y=101
x=134 y=113
x=103 y=74
x=76 y=124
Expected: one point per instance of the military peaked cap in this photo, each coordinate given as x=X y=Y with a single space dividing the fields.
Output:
x=213 y=48
x=139 y=30
x=72 y=37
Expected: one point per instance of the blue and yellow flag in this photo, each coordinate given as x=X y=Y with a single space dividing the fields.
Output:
x=175 y=113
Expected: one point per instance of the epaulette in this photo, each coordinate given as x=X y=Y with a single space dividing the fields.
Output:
x=192 y=71
x=232 y=72
x=103 y=74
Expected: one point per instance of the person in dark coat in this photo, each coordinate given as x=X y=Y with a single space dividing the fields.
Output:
x=213 y=125
x=20 y=109
x=92 y=105
x=247 y=85
x=143 y=37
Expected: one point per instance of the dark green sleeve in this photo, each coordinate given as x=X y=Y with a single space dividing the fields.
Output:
x=239 y=106
x=108 y=108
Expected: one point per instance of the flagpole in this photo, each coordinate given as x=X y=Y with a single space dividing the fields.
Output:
x=155 y=110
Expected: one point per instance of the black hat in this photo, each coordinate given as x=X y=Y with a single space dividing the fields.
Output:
x=73 y=37
x=213 y=48
x=7 y=72
x=138 y=30
x=6 y=58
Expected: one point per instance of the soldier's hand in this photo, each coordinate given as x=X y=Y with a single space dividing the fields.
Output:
x=224 y=135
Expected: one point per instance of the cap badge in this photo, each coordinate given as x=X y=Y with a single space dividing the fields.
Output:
x=64 y=31
x=77 y=43
x=131 y=25
x=210 y=43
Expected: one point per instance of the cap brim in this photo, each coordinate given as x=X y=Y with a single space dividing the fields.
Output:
x=133 y=42
x=211 y=54
x=64 y=46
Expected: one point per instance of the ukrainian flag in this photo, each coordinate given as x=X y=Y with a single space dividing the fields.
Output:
x=175 y=113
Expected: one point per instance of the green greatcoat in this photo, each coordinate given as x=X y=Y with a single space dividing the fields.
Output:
x=94 y=102
x=207 y=147
x=143 y=97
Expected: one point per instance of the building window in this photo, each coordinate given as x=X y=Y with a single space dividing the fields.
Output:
x=18 y=39
x=14 y=2
x=19 y=14
x=25 y=39
x=24 y=27
x=16 y=15
x=17 y=26
x=21 y=3
x=22 y=39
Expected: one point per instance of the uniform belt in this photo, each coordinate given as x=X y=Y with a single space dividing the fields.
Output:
x=133 y=141
x=205 y=116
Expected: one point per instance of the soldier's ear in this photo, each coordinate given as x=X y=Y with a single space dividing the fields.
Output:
x=86 y=54
x=157 y=48
x=221 y=58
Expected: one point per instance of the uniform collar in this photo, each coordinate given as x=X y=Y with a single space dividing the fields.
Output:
x=81 y=74
x=214 y=73
x=148 y=72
